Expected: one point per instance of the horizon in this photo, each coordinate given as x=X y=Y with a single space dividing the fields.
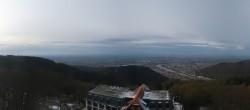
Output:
x=125 y=28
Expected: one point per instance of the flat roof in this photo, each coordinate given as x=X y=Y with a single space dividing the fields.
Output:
x=121 y=92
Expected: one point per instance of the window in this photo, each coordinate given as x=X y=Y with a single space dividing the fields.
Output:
x=90 y=96
x=89 y=108
x=95 y=97
x=108 y=108
x=101 y=106
x=89 y=102
x=167 y=105
x=159 y=104
x=152 y=104
x=108 y=101
x=101 y=99
x=95 y=104
x=119 y=103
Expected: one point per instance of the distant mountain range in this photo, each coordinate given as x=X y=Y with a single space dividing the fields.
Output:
x=226 y=70
x=40 y=74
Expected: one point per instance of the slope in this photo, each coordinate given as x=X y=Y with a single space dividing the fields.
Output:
x=226 y=70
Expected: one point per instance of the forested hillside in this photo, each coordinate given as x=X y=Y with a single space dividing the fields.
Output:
x=30 y=79
x=230 y=94
x=226 y=70
x=125 y=75
x=43 y=76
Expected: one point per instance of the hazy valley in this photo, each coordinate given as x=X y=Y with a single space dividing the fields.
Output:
x=183 y=68
x=39 y=82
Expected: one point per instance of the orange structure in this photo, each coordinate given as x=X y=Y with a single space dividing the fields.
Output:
x=137 y=103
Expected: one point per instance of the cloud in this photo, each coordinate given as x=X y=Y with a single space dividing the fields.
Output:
x=239 y=47
x=76 y=25
x=157 y=42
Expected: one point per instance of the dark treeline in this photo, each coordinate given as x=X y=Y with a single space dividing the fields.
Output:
x=37 y=78
x=124 y=75
x=26 y=80
x=226 y=70
x=43 y=76
x=230 y=94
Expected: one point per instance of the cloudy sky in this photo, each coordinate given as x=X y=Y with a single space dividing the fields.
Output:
x=120 y=27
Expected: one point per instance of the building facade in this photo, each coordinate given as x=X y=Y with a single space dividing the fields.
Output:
x=105 y=97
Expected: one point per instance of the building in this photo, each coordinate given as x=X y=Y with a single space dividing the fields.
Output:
x=106 y=97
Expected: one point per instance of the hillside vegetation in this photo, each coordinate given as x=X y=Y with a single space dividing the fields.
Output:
x=28 y=79
x=43 y=76
x=230 y=94
x=125 y=75
x=226 y=70
x=26 y=82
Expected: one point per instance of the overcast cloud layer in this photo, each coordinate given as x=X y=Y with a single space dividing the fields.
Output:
x=87 y=27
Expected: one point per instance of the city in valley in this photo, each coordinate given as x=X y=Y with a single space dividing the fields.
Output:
x=124 y=54
x=182 y=68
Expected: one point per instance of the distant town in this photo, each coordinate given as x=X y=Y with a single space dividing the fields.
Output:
x=182 y=68
x=62 y=83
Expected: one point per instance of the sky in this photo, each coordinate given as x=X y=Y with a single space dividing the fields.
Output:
x=125 y=27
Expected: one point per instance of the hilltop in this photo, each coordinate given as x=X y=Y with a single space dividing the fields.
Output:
x=125 y=75
x=226 y=70
x=44 y=76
